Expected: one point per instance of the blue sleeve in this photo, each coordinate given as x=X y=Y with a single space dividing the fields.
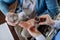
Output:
x=4 y=5
x=20 y=3
x=9 y=2
x=52 y=7
x=4 y=8
x=40 y=7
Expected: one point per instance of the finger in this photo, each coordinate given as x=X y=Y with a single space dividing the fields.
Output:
x=33 y=31
x=44 y=16
x=21 y=24
x=31 y=22
x=42 y=23
x=48 y=18
x=24 y=25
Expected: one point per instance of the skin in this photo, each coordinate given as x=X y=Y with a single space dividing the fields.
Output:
x=48 y=21
x=29 y=26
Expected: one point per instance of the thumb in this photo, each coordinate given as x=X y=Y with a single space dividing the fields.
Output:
x=42 y=23
x=24 y=25
x=33 y=31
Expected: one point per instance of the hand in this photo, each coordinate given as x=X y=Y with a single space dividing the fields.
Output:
x=12 y=18
x=48 y=21
x=29 y=25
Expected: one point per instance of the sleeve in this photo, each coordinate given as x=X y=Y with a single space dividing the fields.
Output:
x=57 y=24
x=40 y=37
x=52 y=7
x=4 y=8
x=20 y=2
x=22 y=16
x=19 y=6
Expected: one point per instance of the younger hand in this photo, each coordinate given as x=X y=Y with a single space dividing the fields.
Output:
x=48 y=21
x=29 y=25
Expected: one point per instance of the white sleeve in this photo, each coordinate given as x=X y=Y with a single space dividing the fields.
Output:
x=40 y=37
x=57 y=24
x=21 y=14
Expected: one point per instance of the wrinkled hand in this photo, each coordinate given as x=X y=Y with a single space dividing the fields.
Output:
x=29 y=25
x=48 y=21
x=10 y=20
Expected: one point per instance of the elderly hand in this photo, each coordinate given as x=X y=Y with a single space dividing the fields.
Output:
x=48 y=21
x=29 y=25
x=12 y=18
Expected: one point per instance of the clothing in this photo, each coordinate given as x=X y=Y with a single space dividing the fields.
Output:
x=40 y=37
x=47 y=7
x=42 y=6
x=4 y=5
x=57 y=25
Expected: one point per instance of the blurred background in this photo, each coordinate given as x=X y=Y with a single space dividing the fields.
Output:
x=2 y=20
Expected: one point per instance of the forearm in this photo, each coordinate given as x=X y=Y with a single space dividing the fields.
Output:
x=4 y=8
